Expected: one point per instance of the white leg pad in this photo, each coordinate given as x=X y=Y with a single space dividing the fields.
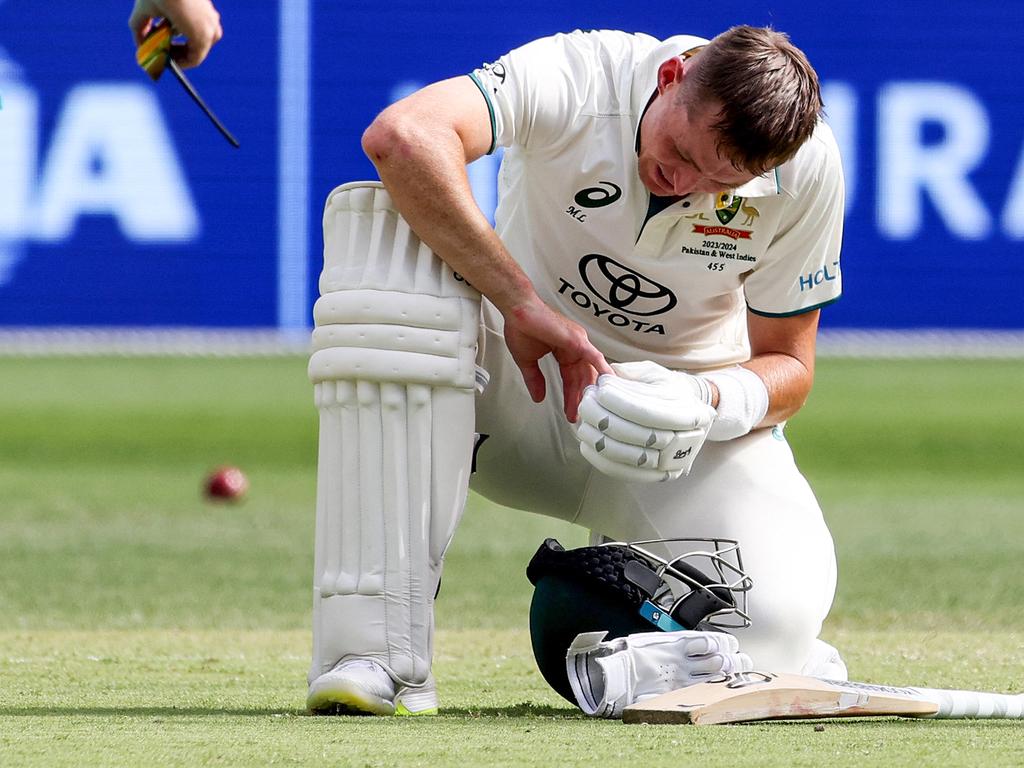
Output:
x=393 y=372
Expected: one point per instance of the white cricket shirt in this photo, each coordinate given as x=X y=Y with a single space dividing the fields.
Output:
x=675 y=287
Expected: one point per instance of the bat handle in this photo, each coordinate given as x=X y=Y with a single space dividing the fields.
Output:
x=974 y=704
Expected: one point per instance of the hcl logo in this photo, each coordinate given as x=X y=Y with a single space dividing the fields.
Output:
x=110 y=153
x=812 y=280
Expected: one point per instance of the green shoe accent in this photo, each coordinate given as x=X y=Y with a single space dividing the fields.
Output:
x=401 y=711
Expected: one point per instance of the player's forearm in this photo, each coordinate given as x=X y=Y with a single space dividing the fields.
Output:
x=764 y=391
x=788 y=381
x=423 y=168
x=782 y=358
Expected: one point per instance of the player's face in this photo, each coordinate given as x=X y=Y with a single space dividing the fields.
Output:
x=679 y=148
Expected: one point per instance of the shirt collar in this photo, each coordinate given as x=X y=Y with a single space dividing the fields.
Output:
x=765 y=185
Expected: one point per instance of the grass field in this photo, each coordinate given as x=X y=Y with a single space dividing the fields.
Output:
x=140 y=625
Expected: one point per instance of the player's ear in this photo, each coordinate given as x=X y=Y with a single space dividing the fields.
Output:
x=670 y=72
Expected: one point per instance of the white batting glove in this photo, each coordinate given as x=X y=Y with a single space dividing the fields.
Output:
x=607 y=676
x=647 y=424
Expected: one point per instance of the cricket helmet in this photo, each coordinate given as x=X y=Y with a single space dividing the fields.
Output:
x=624 y=588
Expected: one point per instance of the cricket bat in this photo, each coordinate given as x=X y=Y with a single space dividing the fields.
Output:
x=746 y=696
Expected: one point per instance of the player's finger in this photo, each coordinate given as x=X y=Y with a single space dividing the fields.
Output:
x=642 y=404
x=714 y=664
x=597 y=360
x=534 y=380
x=712 y=642
x=621 y=471
x=623 y=453
x=139 y=24
x=741 y=663
x=722 y=664
x=615 y=426
x=202 y=47
x=201 y=39
x=571 y=396
x=188 y=55
x=577 y=379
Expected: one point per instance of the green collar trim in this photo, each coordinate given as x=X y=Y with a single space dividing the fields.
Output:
x=795 y=312
x=490 y=110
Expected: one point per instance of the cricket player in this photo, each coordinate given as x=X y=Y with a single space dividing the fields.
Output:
x=197 y=20
x=667 y=232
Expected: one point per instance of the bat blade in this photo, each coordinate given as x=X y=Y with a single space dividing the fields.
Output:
x=751 y=696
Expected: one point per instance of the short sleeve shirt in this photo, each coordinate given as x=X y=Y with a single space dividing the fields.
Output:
x=669 y=283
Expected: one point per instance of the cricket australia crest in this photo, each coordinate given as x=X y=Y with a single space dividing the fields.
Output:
x=726 y=209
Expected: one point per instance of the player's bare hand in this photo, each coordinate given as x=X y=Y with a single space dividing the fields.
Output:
x=197 y=20
x=534 y=330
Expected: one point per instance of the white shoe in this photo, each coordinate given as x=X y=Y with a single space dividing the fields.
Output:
x=358 y=687
x=420 y=700
x=363 y=687
x=825 y=662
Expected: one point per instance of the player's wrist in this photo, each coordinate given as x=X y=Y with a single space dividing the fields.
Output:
x=740 y=399
x=516 y=299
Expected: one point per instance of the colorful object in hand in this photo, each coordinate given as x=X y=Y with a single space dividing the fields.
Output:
x=154 y=56
x=155 y=50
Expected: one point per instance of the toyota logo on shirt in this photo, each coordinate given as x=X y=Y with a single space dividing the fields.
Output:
x=624 y=288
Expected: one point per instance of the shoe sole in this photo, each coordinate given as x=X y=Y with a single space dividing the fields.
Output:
x=347 y=699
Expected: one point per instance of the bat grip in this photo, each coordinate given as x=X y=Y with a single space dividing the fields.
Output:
x=974 y=704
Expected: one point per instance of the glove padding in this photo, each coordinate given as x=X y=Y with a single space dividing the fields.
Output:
x=647 y=424
x=608 y=676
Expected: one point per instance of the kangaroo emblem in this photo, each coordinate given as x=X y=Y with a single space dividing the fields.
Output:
x=751 y=213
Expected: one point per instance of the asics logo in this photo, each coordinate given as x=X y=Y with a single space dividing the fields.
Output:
x=598 y=197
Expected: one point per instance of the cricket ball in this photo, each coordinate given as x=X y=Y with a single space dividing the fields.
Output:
x=226 y=484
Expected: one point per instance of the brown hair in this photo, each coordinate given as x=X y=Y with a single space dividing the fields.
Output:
x=769 y=94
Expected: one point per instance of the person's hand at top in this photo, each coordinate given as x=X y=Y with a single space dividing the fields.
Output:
x=197 y=20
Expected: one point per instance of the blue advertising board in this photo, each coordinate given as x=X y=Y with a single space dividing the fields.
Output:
x=121 y=206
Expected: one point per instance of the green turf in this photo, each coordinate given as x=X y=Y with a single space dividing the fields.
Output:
x=140 y=625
